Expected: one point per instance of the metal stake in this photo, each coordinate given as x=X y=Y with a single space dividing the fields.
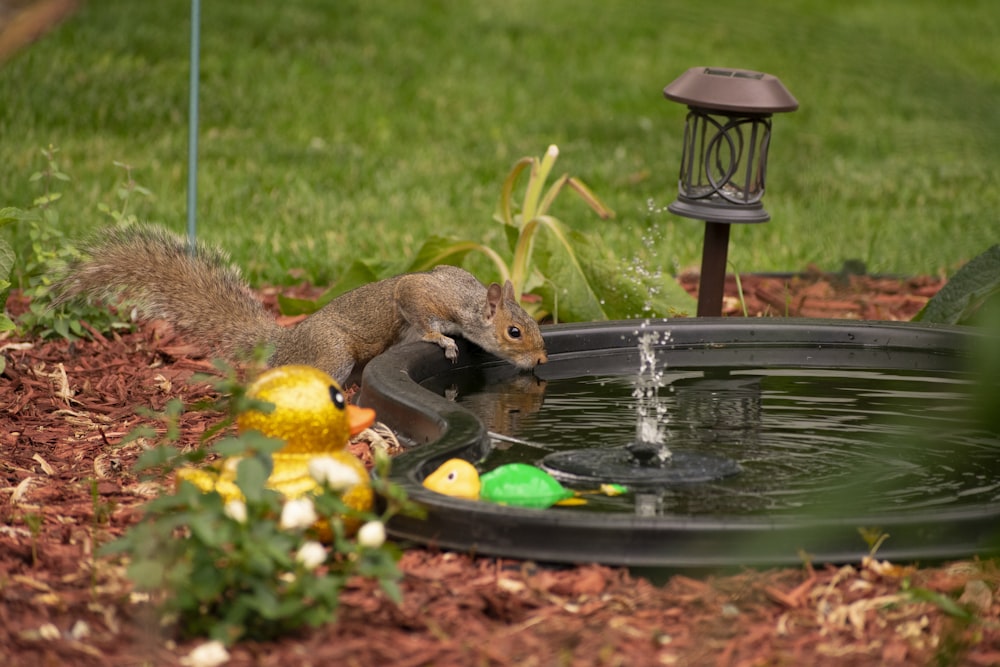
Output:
x=192 y=189
x=712 y=282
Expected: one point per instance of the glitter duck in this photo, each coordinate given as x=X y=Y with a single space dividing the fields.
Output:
x=313 y=417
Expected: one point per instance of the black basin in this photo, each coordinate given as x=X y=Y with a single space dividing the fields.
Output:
x=438 y=429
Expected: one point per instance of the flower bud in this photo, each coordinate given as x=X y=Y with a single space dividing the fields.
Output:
x=338 y=476
x=312 y=554
x=372 y=535
x=236 y=510
x=209 y=654
x=297 y=514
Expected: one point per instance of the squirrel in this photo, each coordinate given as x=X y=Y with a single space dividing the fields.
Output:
x=196 y=288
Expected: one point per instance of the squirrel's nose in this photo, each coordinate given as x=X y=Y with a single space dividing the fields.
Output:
x=544 y=358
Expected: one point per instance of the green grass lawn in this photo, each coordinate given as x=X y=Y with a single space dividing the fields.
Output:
x=332 y=130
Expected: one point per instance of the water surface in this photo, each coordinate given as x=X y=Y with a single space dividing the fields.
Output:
x=817 y=441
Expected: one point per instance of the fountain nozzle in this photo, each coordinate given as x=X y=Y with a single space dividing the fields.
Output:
x=647 y=462
x=649 y=454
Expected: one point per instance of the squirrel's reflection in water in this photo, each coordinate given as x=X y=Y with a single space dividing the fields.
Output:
x=501 y=405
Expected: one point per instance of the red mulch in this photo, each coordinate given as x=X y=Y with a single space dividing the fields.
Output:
x=63 y=408
x=816 y=294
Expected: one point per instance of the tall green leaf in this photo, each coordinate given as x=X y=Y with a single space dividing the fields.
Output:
x=585 y=281
x=505 y=213
x=966 y=291
x=445 y=250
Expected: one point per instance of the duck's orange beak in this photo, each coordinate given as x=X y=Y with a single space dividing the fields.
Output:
x=358 y=419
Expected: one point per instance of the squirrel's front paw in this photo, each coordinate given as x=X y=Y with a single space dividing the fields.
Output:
x=447 y=344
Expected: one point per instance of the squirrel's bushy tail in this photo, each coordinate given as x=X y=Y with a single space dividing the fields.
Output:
x=194 y=288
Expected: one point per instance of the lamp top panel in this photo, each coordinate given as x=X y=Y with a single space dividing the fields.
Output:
x=727 y=89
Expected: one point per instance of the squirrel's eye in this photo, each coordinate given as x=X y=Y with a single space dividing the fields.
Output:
x=513 y=332
x=337 y=397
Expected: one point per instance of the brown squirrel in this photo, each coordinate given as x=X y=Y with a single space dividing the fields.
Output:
x=203 y=295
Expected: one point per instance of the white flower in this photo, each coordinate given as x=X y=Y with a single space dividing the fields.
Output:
x=209 y=654
x=297 y=514
x=236 y=510
x=312 y=554
x=371 y=535
x=230 y=464
x=338 y=476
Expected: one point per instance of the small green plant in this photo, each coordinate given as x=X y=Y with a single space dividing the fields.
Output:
x=256 y=566
x=101 y=512
x=7 y=258
x=739 y=290
x=575 y=275
x=33 y=520
x=873 y=537
x=47 y=253
x=125 y=191
x=958 y=632
x=101 y=509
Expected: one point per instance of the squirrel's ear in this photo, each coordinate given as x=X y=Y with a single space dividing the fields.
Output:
x=508 y=291
x=493 y=297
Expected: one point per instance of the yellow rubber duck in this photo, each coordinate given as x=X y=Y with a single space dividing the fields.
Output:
x=313 y=417
x=456 y=478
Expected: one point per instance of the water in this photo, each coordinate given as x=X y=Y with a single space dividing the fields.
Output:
x=815 y=441
x=649 y=410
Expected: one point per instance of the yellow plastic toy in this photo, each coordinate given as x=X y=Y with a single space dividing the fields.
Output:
x=456 y=478
x=314 y=419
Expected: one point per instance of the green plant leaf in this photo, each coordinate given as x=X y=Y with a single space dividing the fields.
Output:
x=47 y=199
x=592 y=200
x=357 y=274
x=11 y=215
x=942 y=602
x=204 y=527
x=540 y=170
x=7 y=258
x=584 y=281
x=291 y=306
x=251 y=476
x=965 y=292
x=147 y=574
x=551 y=194
x=512 y=233
x=443 y=250
x=505 y=213
x=563 y=256
x=61 y=327
x=440 y=250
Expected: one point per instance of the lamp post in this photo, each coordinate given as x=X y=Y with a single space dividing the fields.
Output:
x=726 y=136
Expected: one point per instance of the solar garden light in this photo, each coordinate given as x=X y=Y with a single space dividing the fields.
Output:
x=726 y=136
